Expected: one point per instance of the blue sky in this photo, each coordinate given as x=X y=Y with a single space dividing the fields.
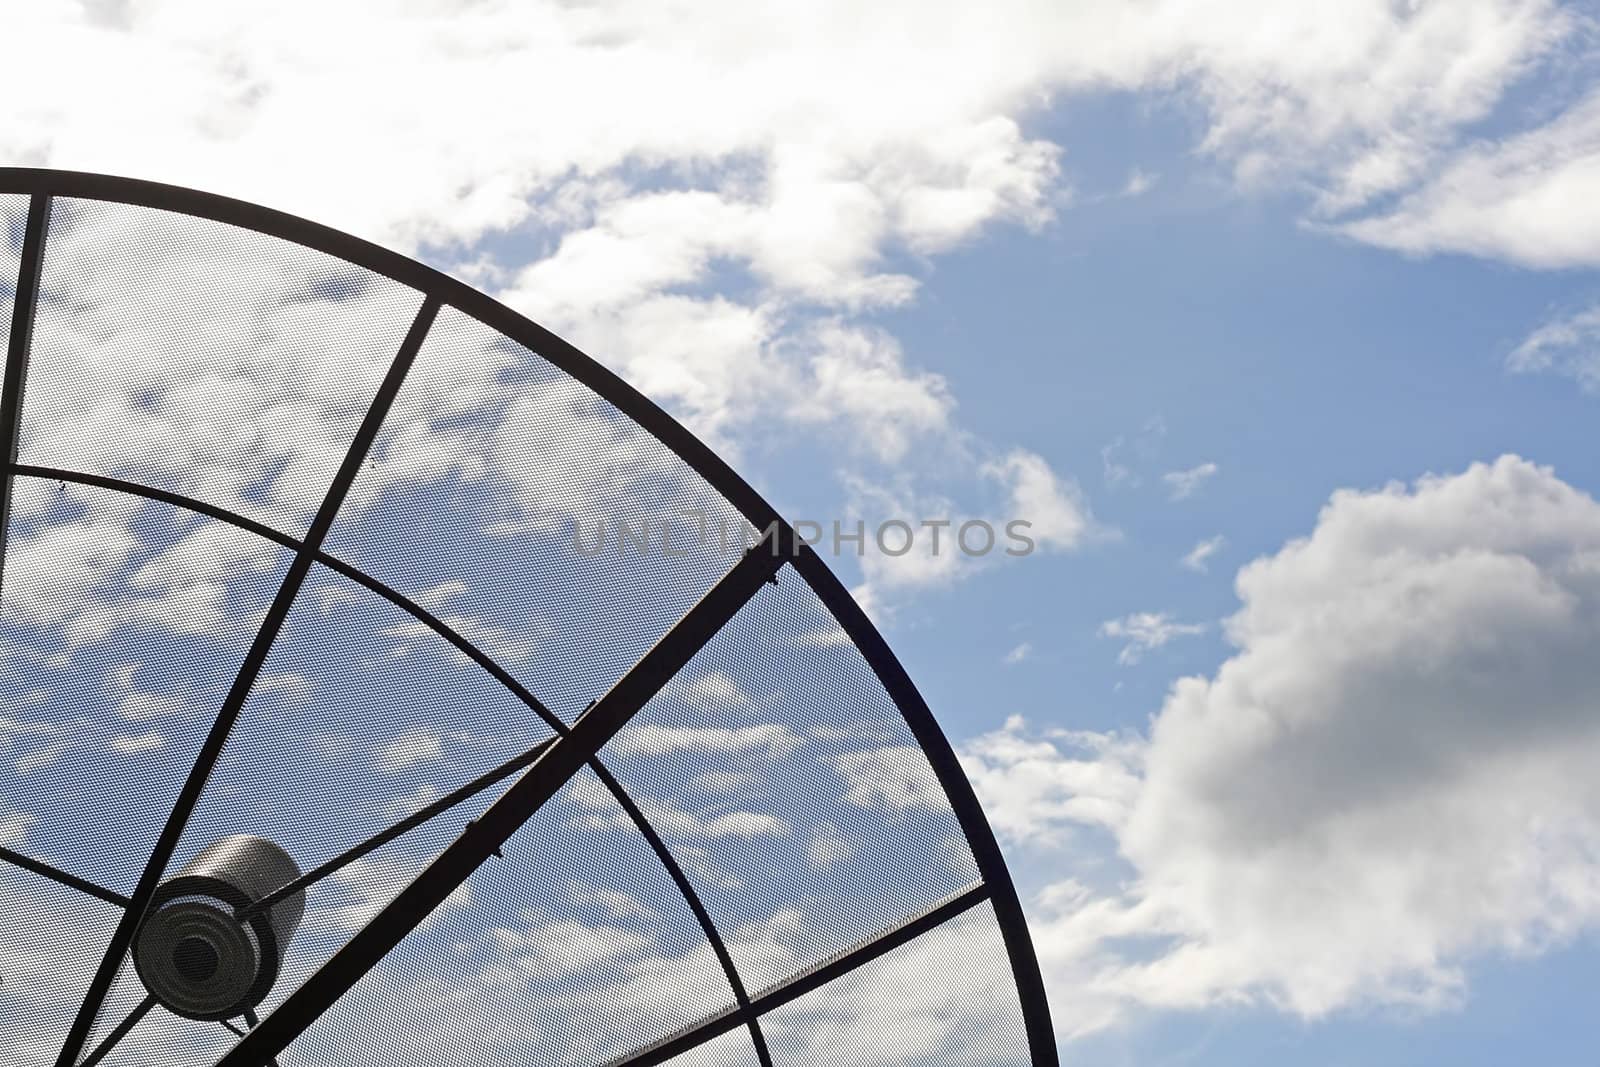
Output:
x=1313 y=286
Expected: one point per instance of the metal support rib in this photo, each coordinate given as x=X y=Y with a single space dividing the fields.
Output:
x=56 y=874
x=456 y=796
x=123 y=1029
x=24 y=309
x=481 y=658
x=974 y=824
x=741 y=996
x=806 y=981
x=254 y=660
x=606 y=384
x=483 y=837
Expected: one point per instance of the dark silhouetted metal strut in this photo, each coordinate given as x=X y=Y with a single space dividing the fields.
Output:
x=806 y=981
x=477 y=655
x=24 y=309
x=484 y=837
x=439 y=289
x=233 y=703
x=56 y=874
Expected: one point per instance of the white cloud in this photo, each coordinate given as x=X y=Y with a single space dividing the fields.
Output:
x=891 y=1013
x=10 y=728
x=913 y=137
x=1528 y=198
x=364 y=887
x=771 y=740
x=1196 y=558
x=714 y=688
x=1145 y=631
x=915 y=539
x=1019 y=653
x=829 y=847
x=859 y=377
x=14 y=827
x=1569 y=346
x=43 y=976
x=1118 y=457
x=544 y=978
x=1032 y=792
x=413 y=802
x=1053 y=507
x=1140 y=181
x=132 y=744
x=890 y=778
x=1391 y=777
x=1184 y=484
x=507 y=647
x=646 y=213
x=671 y=818
x=41 y=758
x=437 y=596
x=409 y=749
x=616 y=904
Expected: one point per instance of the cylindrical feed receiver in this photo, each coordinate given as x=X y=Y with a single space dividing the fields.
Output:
x=194 y=955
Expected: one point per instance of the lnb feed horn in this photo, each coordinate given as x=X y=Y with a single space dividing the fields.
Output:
x=194 y=953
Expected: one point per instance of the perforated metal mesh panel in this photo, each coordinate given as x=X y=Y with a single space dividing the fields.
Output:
x=309 y=542
x=787 y=782
x=122 y=625
x=573 y=942
x=49 y=940
x=733 y=1049
x=199 y=357
x=943 y=1000
x=495 y=477
x=373 y=717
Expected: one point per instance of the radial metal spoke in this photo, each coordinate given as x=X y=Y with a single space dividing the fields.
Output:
x=547 y=776
x=969 y=812
x=383 y=837
x=56 y=874
x=719 y=946
x=123 y=1029
x=41 y=184
x=24 y=309
x=477 y=655
x=244 y=682
x=806 y=981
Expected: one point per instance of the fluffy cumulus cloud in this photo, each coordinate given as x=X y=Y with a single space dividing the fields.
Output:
x=1392 y=772
x=1391 y=776
x=913 y=538
x=716 y=200
x=906 y=127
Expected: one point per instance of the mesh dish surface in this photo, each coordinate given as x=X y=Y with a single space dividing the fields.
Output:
x=410 y=539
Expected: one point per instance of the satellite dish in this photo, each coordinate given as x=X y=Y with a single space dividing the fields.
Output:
x=382 y=680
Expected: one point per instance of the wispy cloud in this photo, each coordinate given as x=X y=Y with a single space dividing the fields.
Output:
x=1019 y=653
x=1184 y=484
x=1146 y=631
x=1197 y=559
x=131 y=744
x=1140 y=181
x=1568 y=346
x=1526 y=197
x=1121 y=458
